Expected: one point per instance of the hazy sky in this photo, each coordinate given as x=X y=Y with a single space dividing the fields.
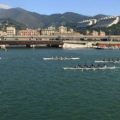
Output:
x=86 y=7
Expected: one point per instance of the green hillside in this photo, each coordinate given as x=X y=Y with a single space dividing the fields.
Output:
x=7 y=21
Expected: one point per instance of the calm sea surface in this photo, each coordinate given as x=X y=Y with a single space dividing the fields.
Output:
x=34 y=89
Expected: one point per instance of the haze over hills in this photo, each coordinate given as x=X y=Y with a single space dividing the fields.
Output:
x=35 y=20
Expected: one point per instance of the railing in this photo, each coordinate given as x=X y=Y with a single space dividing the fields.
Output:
x=60 y=37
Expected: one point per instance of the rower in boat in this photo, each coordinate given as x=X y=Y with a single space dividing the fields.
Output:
x=104 y=59
x=118 y=59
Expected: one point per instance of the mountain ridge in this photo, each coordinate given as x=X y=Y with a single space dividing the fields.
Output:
x=35 y=20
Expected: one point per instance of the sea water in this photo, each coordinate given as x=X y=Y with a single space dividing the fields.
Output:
x=34 y=89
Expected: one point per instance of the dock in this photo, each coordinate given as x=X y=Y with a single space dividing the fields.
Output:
x=57 y=41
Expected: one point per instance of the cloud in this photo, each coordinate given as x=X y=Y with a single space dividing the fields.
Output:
x=4 y=6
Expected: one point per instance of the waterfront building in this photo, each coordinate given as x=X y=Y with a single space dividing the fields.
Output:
x=28 y=32
x=94 y=33
x=62 y=29
x=87 y=32
x=66 y=32
x=71 y=30
x=102 y=33
x=2 y=33
x=51 y=28
x=48 y=31
x=11 y=31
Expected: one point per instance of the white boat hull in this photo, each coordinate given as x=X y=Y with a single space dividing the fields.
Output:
x=99 y=68
x=61 y=58
x=75 y=45
x=101 y=61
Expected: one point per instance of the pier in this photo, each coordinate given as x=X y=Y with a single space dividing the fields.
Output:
x=56 y=41
x=30 y=42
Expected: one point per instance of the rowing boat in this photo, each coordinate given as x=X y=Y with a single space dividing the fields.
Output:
x=107 y=61
x=87 y=68
x=62 y=58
